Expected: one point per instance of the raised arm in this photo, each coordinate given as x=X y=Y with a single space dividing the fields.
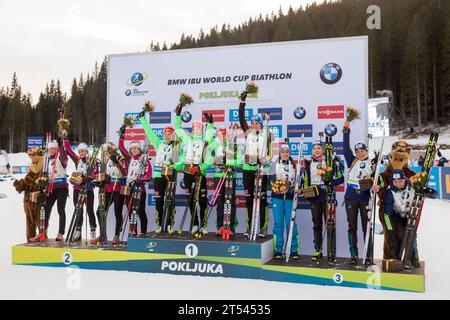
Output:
x=180 y=131
x=70 y=152
x=242 y=120
x=348 y=154
x=62 y=155
x=155 y=141
x=124 y=150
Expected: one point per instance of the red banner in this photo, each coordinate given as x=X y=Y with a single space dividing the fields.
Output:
x=330 y=112
x=135 y=134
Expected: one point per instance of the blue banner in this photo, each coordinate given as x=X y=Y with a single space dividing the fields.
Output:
x=234 y=114
x=33 y=142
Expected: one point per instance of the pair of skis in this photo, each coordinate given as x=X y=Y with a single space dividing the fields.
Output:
x=298 y=179
x=82 y=196
x=169 y=203
x=409 y=239
x=229 y=191
x=257 y=194
x=44 y=174
x=371 y=211
x=330 y=205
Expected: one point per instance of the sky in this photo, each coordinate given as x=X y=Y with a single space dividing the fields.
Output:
x=51 y=39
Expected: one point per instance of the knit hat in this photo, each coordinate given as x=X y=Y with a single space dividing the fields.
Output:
x=360 y=146
x=52 y=144
x=283 y=146
x=169 y=129
x=135 y=144
x=82 y=146
x=197 y=123
x=258 y=118
x=398 y=174
x=222 y=130
x=318 y=143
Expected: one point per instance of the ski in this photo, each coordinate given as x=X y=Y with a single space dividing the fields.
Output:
x=258 y=183
x=371 y=211
x=197 y=187
x=330 y=203
x=227 y=204
x=415 y=214
x=186 y=209
x=298 y=178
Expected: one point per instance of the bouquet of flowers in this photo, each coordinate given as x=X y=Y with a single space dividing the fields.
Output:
x=351 y=114
x=148 y=106
x=63 y=124
x=42 y=182
x=326 y=173
x=419 y=181
x=129 y=122
x=185 y=99
x=280 y=186
x=251 y=88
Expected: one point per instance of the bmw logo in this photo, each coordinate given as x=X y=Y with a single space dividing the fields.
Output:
x=330 y=130
x=299 y=113
x=331 y=73
x=362 y=165
x=128 y=92
x=137 y=79
x=186 y=116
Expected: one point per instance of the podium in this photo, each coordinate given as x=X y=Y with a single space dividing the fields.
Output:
x=53 y=253
x=304 y=270
x=206 y=256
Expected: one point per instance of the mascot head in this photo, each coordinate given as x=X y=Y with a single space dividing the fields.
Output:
x=400 y=154
x=37 y=159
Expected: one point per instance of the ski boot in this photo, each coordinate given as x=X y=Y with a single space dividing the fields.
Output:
x=141 y=235
x=203 y=231
x=369 y=262
x=76 y=235
x=317 y=255
x=278 y=256
x=194 y=230
x=354 y=260
x=331 y=260
x=60 y=237
x=94 y=239
x=115 y=240
x=294 y=256
x=35 y=239
x=247 y=234
x=169 y=230
x=262 y=233
x=158 y=230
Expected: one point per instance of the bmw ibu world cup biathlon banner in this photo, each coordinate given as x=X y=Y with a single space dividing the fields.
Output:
x=303 y=85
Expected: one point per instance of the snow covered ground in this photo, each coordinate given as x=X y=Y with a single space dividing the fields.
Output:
x=20 y=282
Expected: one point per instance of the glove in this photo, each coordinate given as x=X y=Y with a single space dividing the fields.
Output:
x=114 y=160
x=209 y=117
x=243 y=95
x=194 y=170
x=141 y=114
x=8 y=166
x=122 y=131
x=178 y=109
x=375 y=159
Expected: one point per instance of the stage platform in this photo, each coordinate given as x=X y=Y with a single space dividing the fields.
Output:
x=304 y=270
x=213 y=256
x=206 y=256
x=53 y=253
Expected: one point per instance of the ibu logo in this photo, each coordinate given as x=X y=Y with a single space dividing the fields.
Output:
x=234 y=114
x=233 y=250
x=151 y=246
